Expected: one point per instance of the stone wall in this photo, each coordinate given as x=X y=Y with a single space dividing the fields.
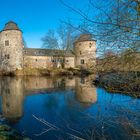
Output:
x=69 y=62
x=37 y=62
x=85 y=53
x=46 y=62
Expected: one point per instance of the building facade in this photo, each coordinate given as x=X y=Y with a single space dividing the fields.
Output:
x=14 y=56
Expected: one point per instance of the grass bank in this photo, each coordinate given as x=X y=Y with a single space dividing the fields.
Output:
x=120 y=82
x=48 y=72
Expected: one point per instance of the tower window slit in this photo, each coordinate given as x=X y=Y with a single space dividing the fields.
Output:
x=7 y=43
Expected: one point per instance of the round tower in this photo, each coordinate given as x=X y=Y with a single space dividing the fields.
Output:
x=85 y=51
x=11 y=48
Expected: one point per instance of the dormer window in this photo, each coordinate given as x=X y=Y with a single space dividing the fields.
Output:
x=7 y=43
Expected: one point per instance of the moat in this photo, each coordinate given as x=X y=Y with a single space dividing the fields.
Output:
x=67 y=108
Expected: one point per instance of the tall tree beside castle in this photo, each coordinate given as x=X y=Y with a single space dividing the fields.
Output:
x=61 y=39
x=50 y=40
x=115 y=24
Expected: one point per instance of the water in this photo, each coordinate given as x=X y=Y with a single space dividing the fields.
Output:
x=67 y=108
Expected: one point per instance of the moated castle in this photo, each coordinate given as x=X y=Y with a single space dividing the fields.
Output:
x=14 y=56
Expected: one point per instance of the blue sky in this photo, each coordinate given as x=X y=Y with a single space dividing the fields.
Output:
x=35 y=17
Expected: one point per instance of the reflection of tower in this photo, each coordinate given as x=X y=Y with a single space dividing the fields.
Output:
x=12 y=98
x=85 y=92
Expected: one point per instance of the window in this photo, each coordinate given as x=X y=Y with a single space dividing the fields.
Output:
x=7 y=43
x=62 y=60
x=58 y=60
x=82 y=61
x=80 y=52
x=82 y=80
x=7 y=56
x=90 y=45
x=36 y=60
x=53 y=60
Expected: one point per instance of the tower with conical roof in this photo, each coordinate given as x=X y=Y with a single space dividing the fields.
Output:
x=11 y=48
x=85 y=51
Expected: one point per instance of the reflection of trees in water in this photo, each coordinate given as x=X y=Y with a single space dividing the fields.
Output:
x=12 y=93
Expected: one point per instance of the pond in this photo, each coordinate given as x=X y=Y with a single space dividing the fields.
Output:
x=67 y=108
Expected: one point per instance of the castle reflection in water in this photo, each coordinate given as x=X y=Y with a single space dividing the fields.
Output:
x=14 y=90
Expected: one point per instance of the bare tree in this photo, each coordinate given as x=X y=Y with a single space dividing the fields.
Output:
x=50 y=40
x=115 y=24
x=61 y=41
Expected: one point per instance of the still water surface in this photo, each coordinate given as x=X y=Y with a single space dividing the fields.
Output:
x=67 y=108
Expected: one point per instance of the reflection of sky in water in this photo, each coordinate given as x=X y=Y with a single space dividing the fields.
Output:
x=112 y=116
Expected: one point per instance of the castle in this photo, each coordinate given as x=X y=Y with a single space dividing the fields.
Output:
x=14 y=56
